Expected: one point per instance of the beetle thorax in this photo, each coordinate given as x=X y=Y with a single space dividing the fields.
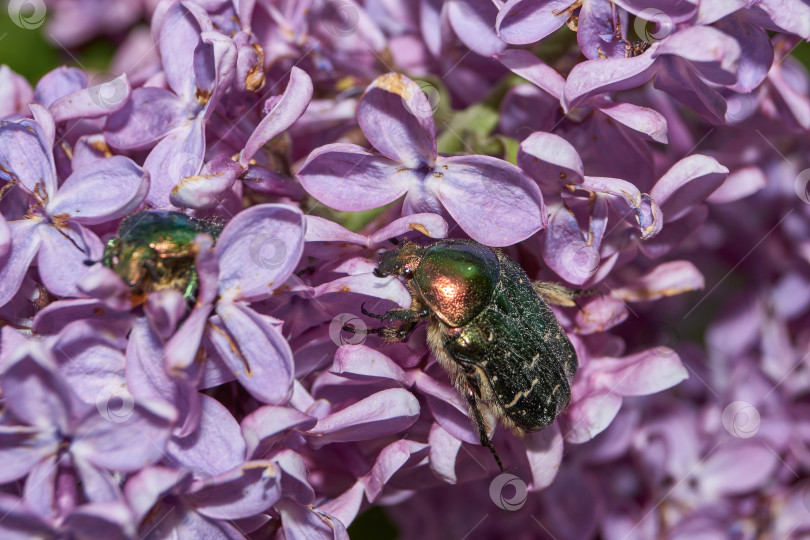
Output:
x=456 y=280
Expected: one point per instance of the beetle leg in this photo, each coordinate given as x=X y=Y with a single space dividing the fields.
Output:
x=556 y=294
x=472 y=399
x=193 y=281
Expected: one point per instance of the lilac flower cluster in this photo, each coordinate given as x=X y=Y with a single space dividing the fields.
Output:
x=641 y=150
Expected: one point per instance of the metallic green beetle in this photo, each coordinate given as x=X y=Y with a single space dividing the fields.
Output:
x=490 y=327
x=153 y=251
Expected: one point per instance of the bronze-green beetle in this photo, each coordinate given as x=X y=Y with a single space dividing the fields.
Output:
x=490 y=327
x=153 y=251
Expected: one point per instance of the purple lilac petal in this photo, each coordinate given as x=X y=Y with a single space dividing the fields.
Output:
x=739 y=184
x=206 y=189
x=165 y=309
x=334 y=173
x=566 y=252
x=474 y=185
x=98 y=485
x=25 y=243
x=282 y=114
x=101 y=520
x=148 y=116
x=429 y=224
x=177 y=156
x=58 y=83
x=389 y=288
x=599 y=76
x=472 y=21
x=36 y=394
x=259 y=249
x=641 y=119
x=360 y=362
x=596 y=30
x=648 y=214
x=551 y=160
x=756 y=53
x=93 y=102
x=263 y=361
x=128 y=442
x=391 y=459
x=397 y=120
x=215 y=447
x=180 y=32
x=24 y=157
x=384 y=413
x=713 y=53
x=600 y=314
x=5 y=237
x=544 y=450
x=667 y=279
x=729 y=469
x=303 y=523
x=527 y=21
x=15 y=92
x=444 y=450
x=103 y=191
x=677 y=11
x=643 y=373
x=267 y=424
x=243 y=492
x=145 y=488
x=687 y=183
x=22 y=448
x=533 y=69
x=589 y=415
x=62 y=254
x=19 y=522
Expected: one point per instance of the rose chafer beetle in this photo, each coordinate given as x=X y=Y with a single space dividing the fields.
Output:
x=154 y=251
x=490 y=327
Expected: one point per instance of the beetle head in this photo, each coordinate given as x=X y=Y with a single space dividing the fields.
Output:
x=401 y=261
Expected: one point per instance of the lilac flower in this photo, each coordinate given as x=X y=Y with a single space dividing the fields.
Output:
x=66 y=437
x=176 y=116
x=53 y=224
x=396 y=118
